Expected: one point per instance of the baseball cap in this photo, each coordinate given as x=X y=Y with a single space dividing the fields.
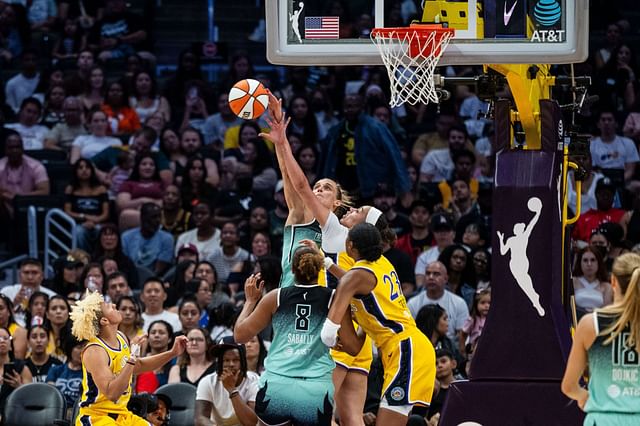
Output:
x=441 y=222
x=188 y=246
x=71 y=262
x=605 y=183
x=226 y=343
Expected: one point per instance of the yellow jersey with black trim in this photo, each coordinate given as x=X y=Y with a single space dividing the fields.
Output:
x=383 y=313
x=91 y=399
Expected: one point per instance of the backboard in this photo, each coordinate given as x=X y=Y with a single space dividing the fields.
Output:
x=336 y=32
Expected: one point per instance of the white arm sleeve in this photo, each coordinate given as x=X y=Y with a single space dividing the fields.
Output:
x=334 y=235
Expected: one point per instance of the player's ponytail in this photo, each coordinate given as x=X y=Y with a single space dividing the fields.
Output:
x=306 y=265
x=626 y=270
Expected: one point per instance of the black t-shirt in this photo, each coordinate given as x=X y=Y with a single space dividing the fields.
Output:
x=116 y=25
x=39 y=372
x=346 y=166
x=87 y=204
x=437 y=402
x=400 y=224
x=402 y=264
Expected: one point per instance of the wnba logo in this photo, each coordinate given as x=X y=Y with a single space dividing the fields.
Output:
x=547 y=12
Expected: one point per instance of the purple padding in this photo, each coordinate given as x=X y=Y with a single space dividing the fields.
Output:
x=509 y=403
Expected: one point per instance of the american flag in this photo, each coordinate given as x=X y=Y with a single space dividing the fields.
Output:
x=322 y=27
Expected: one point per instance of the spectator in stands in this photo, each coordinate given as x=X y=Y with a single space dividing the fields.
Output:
x=10 y=380
x=42 y=14
x=445 y=366
x=94 y=87
x=196 y=362
x=14 y=31
x=116 y=286
x=256 y=354
x=86 y=202
x=39 y=361
x=616 y=81
x=21 y=175
x=385 y=200
x=31 y=276
x=37 y=307
x=144 y=186
x=194 y=108
x=160 y=340
x=590 y=281
x=615 y=156
x=376 y=160
x=191 y=144
x=227 y=396
x=24 y=84
x=71 y=41
x=194 y=187
x=202 y=291
x=482 y=267
x=475 y=236
x=148 y=246
x=205 y=236
x=436 y=293
x=303 y=120
x=175 y=220
x=189 y=313
x=119 y=33
x=67 y=377
x=67 y=272
x=460 y=272
x=145 y=98
x=170 y=147
x=153 y=296
x=463 y=202
x=308 y=157
x=229 y=253
x=258 y=222
x=93 y=278
x=188 y=70
x=464 y=167
x=442 y=228
x=180 y=275
x=109 y=245
x=123 y=119
x=217 y=124
x=27 y=126
x=132 y=322
x=58 y=318
x=420 y=238
x=613 y=38
x=18 y=333
x=206 y=271
x=605 y=212
x=437 y=165
x=434 y=140
x=62 y=135
x=87 y=146
x=53 y=113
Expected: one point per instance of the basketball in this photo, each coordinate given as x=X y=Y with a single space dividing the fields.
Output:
x=534 y=204
x=248 y=99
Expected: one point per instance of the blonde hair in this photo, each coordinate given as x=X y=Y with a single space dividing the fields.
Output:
x=86 y=315
x=626 y=270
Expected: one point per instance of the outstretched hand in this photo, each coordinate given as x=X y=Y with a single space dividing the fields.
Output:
x=253 y=288
x=179 y=345
x=277 y=121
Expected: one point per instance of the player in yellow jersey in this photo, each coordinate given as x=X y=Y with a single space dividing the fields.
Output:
x=372 y=291
x=109 y=362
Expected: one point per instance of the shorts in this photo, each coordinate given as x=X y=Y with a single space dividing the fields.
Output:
x=360 y=363
x=92 y=418
x=301 y=401
x=409 y=370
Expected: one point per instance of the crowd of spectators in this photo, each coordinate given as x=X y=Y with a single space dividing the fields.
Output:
x=177 y=200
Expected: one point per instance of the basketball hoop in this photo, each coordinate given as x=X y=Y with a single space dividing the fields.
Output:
x=410 y=55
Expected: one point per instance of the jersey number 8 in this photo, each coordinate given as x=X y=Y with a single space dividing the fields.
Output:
x=394 y=284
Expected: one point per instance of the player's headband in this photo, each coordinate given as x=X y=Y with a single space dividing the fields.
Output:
x=373 y=215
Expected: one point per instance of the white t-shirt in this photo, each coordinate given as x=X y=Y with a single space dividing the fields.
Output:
x=91 y=145
x=454 y=305
x=222 y=413
x=32 y=136
x=334 y=235
x=165 y=315
x=437 y=163
x=205 y=248
x=588 y=199
x=613 y=155
x=20 y=88
x=11 y=291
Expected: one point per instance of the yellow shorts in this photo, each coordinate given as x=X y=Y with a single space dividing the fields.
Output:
x=360 y=363
x=409 y=370
x=92 y=418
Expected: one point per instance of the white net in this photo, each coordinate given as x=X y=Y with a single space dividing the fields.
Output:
x=410 y=56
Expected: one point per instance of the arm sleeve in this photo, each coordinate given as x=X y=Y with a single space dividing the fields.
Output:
x=54 y=373
x=334 y=235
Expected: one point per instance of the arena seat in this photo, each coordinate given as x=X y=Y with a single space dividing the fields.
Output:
x=34 y=404
x=46 y=156
x=183 y=402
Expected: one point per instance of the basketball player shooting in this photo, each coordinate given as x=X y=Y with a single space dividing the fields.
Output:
x=109 y=362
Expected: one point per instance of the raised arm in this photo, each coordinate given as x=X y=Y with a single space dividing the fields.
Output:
x=533 y=222
x=503 y=247
x=296 y=175
x=256 y=312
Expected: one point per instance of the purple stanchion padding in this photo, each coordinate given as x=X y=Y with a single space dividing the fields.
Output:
x=521 y=355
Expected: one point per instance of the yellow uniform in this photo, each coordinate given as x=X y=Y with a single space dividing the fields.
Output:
x=95 y=408
x=362 y=361
x=407 y=355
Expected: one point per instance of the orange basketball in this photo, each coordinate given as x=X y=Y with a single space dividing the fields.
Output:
x=248 y=99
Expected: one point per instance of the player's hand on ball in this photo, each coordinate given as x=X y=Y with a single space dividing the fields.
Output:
x=253 y=288
x=179 y=345
x=275 y=108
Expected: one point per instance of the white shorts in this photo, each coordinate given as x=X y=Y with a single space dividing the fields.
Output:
x=401 y=409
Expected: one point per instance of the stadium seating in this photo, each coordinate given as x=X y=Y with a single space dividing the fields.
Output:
x=34 y=404
x=183 y=401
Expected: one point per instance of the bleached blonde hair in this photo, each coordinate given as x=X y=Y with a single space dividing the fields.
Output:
x=86 y=315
